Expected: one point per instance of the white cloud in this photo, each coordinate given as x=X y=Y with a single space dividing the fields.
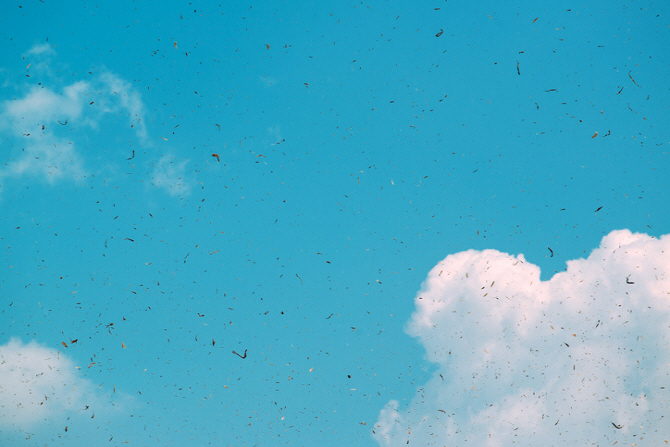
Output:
x=41 y=50
x=42 y=106
x=47 y=124
x=38 y=384
x=526 y=362
x=50 y=161
x=39 y=58
x=32 y=119
x=121 y=91
x=169 y=174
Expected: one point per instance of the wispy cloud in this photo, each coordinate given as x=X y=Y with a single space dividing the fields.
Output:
x=580 y=359
x=169 y=174
x=39 y=58
x=34 y=121
x=38 y=384
x=41 y=49
x=46 y=124
x=129 y=100
x=268 y=81
x=42 y=106
x=51 y=159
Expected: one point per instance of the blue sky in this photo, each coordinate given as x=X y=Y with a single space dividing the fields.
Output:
x=329 y=191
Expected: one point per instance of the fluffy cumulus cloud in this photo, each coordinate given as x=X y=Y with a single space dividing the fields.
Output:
x=38 y=384
x=581 y=359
